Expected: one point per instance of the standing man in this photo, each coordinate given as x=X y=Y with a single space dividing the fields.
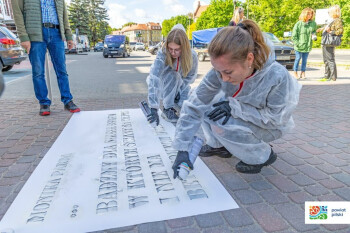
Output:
x=41 y=25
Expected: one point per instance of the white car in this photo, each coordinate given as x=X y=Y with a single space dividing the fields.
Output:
x=140 y=46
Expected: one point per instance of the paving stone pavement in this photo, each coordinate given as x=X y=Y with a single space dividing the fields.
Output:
x=313 y=164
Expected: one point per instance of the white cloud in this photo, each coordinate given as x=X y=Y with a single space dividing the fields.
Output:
x=140 y=13
x=170 y=2
x=116 y=15
x=179 y=9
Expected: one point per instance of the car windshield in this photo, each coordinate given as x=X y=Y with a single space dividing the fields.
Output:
x=272 y=37
x=99 y=44
x=139 y=43
x=114 y=39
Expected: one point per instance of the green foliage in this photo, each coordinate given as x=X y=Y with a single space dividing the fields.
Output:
x=128 y=24
x=280 y=16
x=218 y=14
x=90 y=17
x=167 y=24
x=79 y=17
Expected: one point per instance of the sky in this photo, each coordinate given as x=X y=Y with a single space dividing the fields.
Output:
x=143 y=11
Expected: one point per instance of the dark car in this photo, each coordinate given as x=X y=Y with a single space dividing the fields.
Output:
x=155 y=48
x=116 y=45
x=11 y=52
x=98 y=47
x=284 y=53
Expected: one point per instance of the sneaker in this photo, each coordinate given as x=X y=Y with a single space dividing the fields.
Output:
x=170 y=115
x=253 y=169
x=71 y=107
x=207 y=151
x=323 y=79
x=44 y=110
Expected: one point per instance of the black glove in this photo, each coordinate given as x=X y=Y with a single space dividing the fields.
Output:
x=153 y=116
x=222 y=109
x=177 y=98
x=182 y=156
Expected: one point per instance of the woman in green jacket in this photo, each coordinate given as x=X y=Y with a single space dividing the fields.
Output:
x=302 y=39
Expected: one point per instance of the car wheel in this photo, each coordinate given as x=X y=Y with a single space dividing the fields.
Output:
x=201 y=57
x=105 y=56
x=123 y=54
x=7 y=68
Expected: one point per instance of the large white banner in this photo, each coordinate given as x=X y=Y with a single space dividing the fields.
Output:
x=111 y=169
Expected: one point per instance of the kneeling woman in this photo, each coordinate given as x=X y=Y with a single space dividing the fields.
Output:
x=242 y=104
x=172 y=72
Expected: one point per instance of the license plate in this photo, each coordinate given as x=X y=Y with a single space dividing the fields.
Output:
x=283 y=58
x=114 y=52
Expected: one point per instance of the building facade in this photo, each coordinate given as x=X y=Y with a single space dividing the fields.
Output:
x=149 y=33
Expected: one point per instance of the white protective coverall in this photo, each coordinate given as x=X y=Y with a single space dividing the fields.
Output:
x=164 y=82
x=261 y=112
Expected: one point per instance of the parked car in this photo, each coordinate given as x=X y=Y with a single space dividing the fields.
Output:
x=84 y=40
x=155 y=48
x=11 y=52
x=116 y=45
x=77 y=46
x=284 y=53
x=98 y=47
x=140 y=46
x=132 y=45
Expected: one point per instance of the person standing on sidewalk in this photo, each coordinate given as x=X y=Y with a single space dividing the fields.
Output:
x=334 y=27
x=43 y=25
x=237 y=17
x=302 y=39
x=242 y=104
x=172 y=72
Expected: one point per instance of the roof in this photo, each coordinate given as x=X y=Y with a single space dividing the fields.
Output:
x=139 y=27
x=200 y=10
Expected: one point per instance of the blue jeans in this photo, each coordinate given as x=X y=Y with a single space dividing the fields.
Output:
x=303 y=57
x=53 y=42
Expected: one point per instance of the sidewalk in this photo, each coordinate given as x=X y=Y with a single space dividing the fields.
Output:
x=313 y=162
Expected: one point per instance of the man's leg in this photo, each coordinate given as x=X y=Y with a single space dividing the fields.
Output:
x=37 y=60
x=58 y=58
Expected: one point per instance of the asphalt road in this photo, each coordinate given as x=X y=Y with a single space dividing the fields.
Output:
x=94 y=77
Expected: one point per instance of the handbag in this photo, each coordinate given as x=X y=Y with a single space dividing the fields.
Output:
x=329 y=39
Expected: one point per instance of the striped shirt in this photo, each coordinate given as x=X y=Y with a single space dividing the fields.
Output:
x=48 y=12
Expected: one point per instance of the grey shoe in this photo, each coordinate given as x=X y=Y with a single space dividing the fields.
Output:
x=44 y=110
x=170 y=115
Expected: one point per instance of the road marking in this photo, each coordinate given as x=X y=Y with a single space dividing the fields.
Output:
x=17 y=79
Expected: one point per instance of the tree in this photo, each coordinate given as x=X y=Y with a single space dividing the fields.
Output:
x=128 y=24
x=98 y=20
x=167 y=24
x=78 y=17
x=218 y=14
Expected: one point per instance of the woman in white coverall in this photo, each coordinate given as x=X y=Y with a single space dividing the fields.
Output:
x=242 y=104
x=172 y=72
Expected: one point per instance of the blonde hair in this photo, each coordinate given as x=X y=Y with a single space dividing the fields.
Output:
x=334 y=11
x=179 y=37
x=240 y=40
x=303 y=15
x=236 y=16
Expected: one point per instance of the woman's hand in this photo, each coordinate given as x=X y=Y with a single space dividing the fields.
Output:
x=222 y=109
x=182 y=157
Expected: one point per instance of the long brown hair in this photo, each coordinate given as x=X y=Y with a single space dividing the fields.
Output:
x=179 y=37
x=240 y=40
